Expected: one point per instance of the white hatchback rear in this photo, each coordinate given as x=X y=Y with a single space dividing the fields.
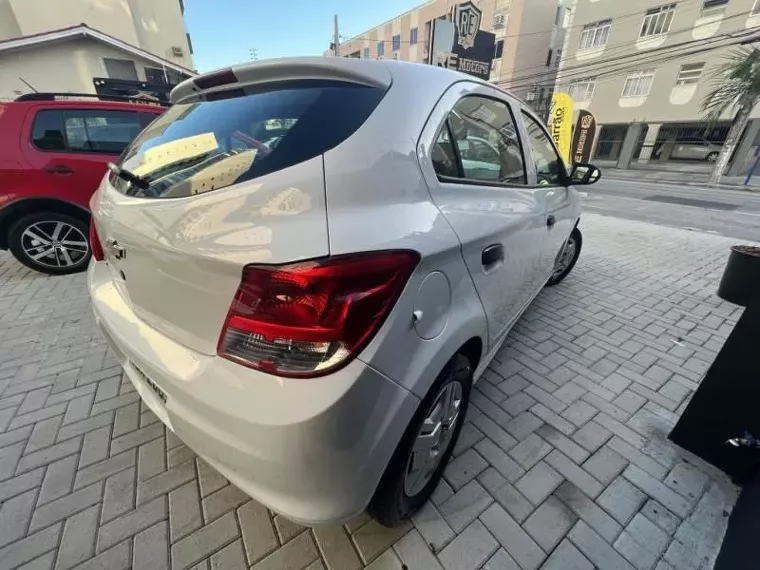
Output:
x=301 y=291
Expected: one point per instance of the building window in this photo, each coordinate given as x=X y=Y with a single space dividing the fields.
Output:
x=549 y=57
x=120 y=68
x=638 y=84
x=166 y=75
x=657 y=21
x=366 y=53
x=690 y=73
x=182 y=6
x=380 y=49
x=396 y=41
x=713 y=8
x=155 y=75
x=582 y=90
x=189 y=43
x=595 y=35
x=413 y=36
x=755 y=9
x=558 y=57
x=499 y=49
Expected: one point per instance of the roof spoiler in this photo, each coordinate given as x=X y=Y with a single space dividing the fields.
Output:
x=203 y=87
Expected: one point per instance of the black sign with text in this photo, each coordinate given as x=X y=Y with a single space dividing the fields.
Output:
x=583 y=137
x=461 y=44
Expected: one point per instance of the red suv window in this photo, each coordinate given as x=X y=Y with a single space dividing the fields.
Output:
x=87 y=130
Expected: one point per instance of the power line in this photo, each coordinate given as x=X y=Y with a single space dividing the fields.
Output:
x=579 y=70
x=611 y=50
x=617 y=19
x=626 y=68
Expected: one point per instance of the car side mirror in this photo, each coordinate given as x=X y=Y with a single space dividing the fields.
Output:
x=584 y=174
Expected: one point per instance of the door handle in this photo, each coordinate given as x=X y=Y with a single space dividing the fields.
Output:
x=492 y=256
x=551 y=220
x=59 y=169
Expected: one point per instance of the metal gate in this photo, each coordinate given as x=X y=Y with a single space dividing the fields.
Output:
x=690 y=142
x=611 y=139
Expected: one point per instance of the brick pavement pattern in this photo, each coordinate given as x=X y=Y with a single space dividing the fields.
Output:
x=563 y=462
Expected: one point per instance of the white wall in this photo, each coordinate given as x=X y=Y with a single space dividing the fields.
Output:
x=153 y=25
x=63 y=67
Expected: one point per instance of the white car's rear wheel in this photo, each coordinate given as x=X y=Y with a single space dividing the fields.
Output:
x=567 y=258
x=419 y=460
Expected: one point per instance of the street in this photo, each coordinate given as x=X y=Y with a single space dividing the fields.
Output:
x=563 y=461
x=730 y=213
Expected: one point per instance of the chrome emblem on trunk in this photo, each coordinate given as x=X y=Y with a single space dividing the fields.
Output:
x=116 y=251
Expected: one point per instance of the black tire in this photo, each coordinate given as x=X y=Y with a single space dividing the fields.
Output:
x=578 y=237
x=18 y=244
x=390 y=505
x=712 y=156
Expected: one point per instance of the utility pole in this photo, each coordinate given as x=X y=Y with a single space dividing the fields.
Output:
x=336 y=37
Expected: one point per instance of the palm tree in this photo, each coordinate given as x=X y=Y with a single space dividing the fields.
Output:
x=737 y=86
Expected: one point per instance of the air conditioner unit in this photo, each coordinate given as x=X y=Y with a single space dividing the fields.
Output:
x=177 y=51
x=531 y=96
x=499 y=20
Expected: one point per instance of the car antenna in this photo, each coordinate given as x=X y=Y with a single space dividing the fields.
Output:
x=130 y=177
x=27 y=84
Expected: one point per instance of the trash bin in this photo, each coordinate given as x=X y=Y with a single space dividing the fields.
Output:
x=727 y=403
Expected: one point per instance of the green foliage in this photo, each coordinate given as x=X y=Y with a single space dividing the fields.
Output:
x=736 y=84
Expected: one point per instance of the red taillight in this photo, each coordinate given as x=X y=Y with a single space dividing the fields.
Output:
x=308 y=319
x=95 y=245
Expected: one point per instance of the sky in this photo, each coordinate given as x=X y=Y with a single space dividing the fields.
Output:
x=223 y=31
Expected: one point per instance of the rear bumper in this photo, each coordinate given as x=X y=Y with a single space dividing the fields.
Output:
x=312 y=450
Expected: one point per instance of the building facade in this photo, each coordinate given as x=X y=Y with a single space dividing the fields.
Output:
x=63 y=46
x=643 y=68
x=529 y=36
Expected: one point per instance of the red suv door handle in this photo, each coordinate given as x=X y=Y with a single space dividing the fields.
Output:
x=59 y=169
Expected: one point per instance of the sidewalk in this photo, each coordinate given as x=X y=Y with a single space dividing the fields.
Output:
x=563 y=461
x=687 y=175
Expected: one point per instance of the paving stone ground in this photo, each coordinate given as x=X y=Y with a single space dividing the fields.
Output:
x=563 y=462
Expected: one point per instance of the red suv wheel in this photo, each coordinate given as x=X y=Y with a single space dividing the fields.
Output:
x=50 y=242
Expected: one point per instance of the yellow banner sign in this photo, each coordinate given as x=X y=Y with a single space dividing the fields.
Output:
x=561 y=123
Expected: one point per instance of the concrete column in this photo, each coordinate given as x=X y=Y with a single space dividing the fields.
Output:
x=649 y=140
x=743 y=157
x=629 y=145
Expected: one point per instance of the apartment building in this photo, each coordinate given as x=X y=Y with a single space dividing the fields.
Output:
x=89 y=46
x=643 y=68
x=529 y=36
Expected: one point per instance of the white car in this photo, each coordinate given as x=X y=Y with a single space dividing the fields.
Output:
x=310 y=317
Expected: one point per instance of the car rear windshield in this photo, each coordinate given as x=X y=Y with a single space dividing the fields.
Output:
x=199 y=147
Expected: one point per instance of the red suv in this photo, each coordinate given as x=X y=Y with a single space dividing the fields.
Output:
x=53 y=155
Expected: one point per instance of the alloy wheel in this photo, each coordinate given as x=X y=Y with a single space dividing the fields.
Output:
x=433 y=438
x=55 y=244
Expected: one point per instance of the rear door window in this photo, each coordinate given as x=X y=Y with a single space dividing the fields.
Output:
x=107 y=132
x=47 y=132
x=199 y=147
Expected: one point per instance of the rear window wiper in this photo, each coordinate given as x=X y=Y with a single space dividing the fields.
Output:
x=130 y=177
